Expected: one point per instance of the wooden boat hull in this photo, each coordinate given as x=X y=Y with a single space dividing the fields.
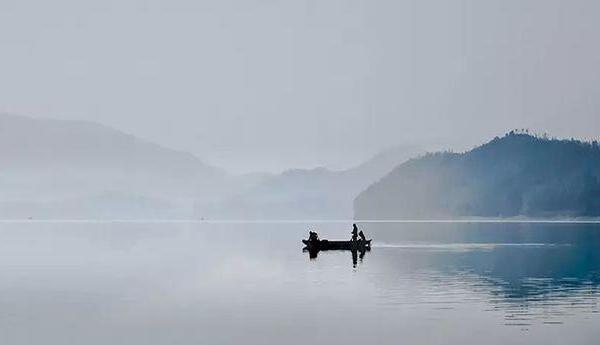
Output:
x=337 y=245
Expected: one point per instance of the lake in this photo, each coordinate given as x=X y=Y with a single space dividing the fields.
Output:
x=251 y=283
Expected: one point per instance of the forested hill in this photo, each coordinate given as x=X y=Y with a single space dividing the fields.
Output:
x=516 y=175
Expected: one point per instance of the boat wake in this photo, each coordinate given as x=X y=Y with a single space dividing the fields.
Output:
x=461 y=246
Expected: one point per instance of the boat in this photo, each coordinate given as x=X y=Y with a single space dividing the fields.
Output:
x=359 y=245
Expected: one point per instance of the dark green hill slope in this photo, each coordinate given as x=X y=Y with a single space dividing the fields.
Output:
x=516 y=175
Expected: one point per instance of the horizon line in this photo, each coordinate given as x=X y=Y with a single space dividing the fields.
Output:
x=302 y=221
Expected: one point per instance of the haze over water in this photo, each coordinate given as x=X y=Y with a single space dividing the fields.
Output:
x=193 y=283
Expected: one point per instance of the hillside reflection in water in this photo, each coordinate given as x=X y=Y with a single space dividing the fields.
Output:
x=190 y=283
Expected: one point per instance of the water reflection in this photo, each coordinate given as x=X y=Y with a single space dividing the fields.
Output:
x=531 y=273
x=357 y=254
x=248 y=283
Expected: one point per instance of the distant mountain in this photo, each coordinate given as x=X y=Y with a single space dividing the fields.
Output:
x=109 y=205
x=76 y=167
x=516 y=175
x=311 y=193
x=31 y=143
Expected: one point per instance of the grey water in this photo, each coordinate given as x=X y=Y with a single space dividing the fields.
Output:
x=251 y=283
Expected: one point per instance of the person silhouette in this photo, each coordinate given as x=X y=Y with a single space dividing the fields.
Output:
x=354 y=232
x=361 y=234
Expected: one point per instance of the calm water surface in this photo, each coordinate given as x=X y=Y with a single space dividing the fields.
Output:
x=176 y=283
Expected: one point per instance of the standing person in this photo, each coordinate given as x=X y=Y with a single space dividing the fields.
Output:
x=354 y=232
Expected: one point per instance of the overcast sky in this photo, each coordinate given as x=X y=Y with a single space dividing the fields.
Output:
x=263 y=85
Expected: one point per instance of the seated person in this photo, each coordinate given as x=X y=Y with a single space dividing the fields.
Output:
x=361 y=234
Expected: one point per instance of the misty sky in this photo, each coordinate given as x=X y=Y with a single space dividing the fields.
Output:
x=264 y=85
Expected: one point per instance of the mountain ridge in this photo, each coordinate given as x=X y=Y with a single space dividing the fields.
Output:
x=516 y=175
x=77 y=144
x=317 y=193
